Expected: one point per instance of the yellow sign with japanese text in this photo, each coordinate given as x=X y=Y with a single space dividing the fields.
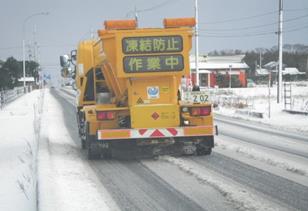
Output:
x=152 y=44
x=159 y=63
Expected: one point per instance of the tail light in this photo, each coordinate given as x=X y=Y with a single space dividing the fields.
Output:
x=201 y=111
x=105 y=115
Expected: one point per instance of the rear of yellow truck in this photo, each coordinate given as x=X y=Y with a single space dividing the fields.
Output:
x=129 y=94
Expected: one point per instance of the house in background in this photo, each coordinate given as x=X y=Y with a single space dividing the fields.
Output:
x=30 y=81
x=216 y=71
x=288 y=73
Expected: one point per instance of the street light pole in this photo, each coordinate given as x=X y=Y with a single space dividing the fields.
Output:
x=23 y=45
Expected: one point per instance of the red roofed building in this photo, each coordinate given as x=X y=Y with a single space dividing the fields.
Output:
x=216 y=70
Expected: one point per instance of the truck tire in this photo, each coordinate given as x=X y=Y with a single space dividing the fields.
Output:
x=81 y=130
x=93 y=151
x=83 y=144
x=107 y=153
x=203 y=150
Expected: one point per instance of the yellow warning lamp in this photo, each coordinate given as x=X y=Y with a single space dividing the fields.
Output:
x=120 y=24
x=179 y=22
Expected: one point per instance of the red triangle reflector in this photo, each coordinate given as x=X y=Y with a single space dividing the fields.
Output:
x=157 y=133
x=142 y=131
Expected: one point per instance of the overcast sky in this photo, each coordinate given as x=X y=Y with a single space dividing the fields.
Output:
x=224 y=24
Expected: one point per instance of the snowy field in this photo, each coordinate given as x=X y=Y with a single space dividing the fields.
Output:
x=232 y=102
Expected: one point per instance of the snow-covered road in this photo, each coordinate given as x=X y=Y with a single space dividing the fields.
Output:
x=252 y=167
x=248 y=170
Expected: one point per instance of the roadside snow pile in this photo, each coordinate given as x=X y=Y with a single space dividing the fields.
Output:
x=66 y=180
x=261 y=155
x=19 y=123
x=241 y=197
x=69 y=90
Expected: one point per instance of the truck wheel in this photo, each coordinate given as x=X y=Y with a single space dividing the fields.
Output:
x=93 y=151
x=107 y=154
x=83 y=144
x=203 y=150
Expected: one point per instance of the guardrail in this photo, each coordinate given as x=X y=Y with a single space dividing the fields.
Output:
x=7 y=96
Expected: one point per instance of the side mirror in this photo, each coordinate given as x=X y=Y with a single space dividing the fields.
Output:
x=64 y=72
x=64 y=61
x=74 y=73
x=73 y=56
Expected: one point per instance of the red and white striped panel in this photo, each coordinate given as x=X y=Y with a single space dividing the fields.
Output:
x=111 y=134
x=157 y=133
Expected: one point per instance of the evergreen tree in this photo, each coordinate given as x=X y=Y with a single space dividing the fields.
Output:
x=11 y=70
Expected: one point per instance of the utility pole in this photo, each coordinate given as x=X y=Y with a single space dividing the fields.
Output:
x=230 y=76
x=280 y=45
x=136 y=16
x=269 y=94
x=197 y=43
x=36 y=57
x=34 y=44
x=92 y=33
x=260 y=59
x=24 y=45
x=24 y=63
x=307 y=68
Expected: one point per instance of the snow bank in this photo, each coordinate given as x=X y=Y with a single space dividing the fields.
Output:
x=242 y=198
x=18 y=151
x=270 y=158
x=66 y=180
x=69 y=90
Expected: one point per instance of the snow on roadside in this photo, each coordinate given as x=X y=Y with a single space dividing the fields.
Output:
x=69 y=90
x=262 y=155
x=19 y=123
x=257 y=98
x=241 y=197
x=66 y=181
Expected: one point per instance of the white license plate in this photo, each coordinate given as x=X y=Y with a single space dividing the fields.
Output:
x=196 y=97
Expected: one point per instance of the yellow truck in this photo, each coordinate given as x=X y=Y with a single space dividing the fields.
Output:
x=129 y=95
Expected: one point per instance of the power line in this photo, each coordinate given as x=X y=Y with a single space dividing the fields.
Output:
x=56 y=46
x=242 y=18
x=155 y=7
x=257 y=26
x=241 y=28
x=296 y=10
x=10 y=48
x=164 y=3
x=253 y=16
x=296 y=29
x=40 y=46
x=254 y=34
x=237 y=36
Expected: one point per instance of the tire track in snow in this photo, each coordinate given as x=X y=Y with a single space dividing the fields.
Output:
x=242 y=197
x=274 y=187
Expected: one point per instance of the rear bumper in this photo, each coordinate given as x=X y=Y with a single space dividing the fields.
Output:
x=150 y=133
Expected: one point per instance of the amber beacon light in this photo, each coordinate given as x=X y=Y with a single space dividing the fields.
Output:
x=120 y=24
x=179 y=22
